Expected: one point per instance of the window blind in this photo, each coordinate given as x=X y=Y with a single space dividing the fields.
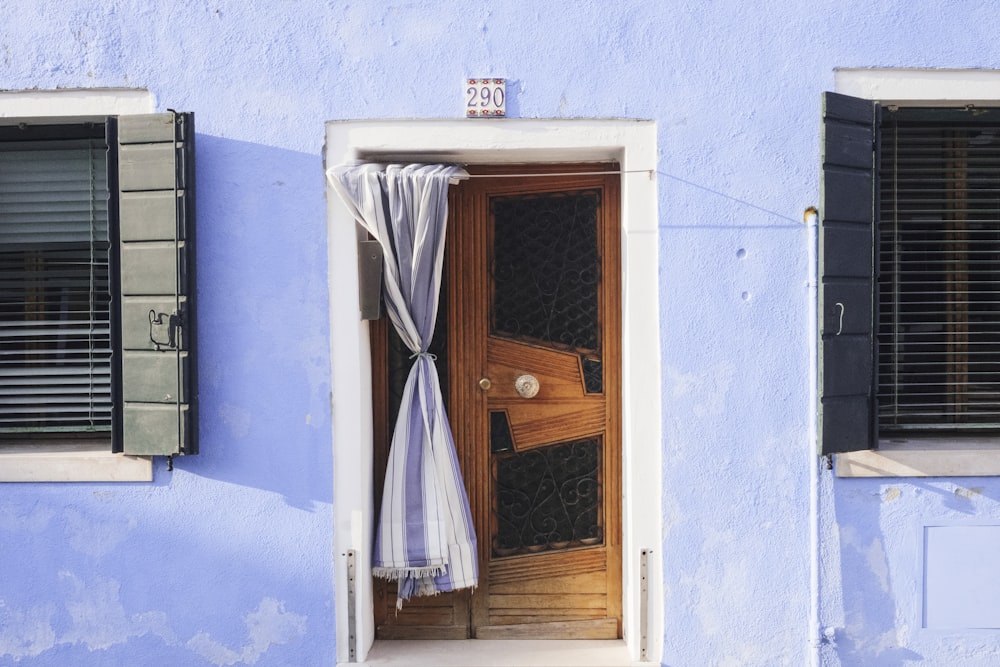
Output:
x=938 y=343
x=54 y=288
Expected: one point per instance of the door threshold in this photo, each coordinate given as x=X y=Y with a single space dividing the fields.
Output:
x=499 y=653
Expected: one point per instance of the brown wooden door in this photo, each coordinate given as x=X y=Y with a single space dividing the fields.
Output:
x=530 y=330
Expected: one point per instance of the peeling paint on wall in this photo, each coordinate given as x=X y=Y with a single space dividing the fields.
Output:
x=96 y=538
x=98 y=621
x=968 y=493
x=269 y=624
x=25 y=633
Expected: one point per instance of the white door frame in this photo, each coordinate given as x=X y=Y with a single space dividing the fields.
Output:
x=633 y=145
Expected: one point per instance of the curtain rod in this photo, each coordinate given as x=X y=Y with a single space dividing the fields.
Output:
x=464 y=174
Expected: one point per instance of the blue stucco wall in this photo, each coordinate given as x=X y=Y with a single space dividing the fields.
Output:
x=228 y=559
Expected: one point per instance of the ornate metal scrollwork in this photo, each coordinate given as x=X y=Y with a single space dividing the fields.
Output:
x=548 y=498
x=546 y=268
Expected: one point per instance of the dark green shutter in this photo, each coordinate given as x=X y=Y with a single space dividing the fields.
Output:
x=156 y=380
x=846 y=269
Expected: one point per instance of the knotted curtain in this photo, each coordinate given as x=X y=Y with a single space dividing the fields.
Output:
x=425 y=537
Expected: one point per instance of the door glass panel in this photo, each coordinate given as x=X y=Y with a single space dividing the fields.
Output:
x=592 y=377
x=501 y=439
x=546 y=269
x=548 y=499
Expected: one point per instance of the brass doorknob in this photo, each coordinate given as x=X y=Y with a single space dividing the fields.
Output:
x=485 y=384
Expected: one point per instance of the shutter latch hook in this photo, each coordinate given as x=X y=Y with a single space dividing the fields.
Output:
x=172 y=323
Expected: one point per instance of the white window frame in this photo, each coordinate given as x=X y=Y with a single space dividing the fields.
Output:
x=938 y=456
x=55 y=460
x=633 y=145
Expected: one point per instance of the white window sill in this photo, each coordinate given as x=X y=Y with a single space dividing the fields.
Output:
x=47 y=462
x=499 y=653
x=924 y=457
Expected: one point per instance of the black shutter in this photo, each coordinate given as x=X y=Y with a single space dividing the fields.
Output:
x=155 y=373
x=846 y=269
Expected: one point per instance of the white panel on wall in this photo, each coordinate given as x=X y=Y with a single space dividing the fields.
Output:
x=961 y=577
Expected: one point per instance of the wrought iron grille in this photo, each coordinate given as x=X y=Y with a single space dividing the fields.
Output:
x=548 y=499
x=545 y=267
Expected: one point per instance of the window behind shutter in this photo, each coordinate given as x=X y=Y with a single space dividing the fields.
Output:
x=846 y=262
x=939 y=311
x=54 y=282
x=156 y=379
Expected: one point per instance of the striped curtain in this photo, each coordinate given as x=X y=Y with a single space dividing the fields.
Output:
x=425 y=538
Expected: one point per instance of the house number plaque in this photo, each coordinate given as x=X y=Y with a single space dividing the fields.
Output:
x=485 y=98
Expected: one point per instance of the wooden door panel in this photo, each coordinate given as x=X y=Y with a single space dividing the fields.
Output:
x=601 y=628
x=559 y=374
x=546 y=422
x=552 y=584
x=444 y=616
x=584 y=611
x=529 y=570
x=550 y=603
x=560 y=411
x=542 y=608
x=552 y=587
x=567 y=585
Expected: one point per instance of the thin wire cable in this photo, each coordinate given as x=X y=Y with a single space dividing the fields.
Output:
x=650 y=172
x=731 y=198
